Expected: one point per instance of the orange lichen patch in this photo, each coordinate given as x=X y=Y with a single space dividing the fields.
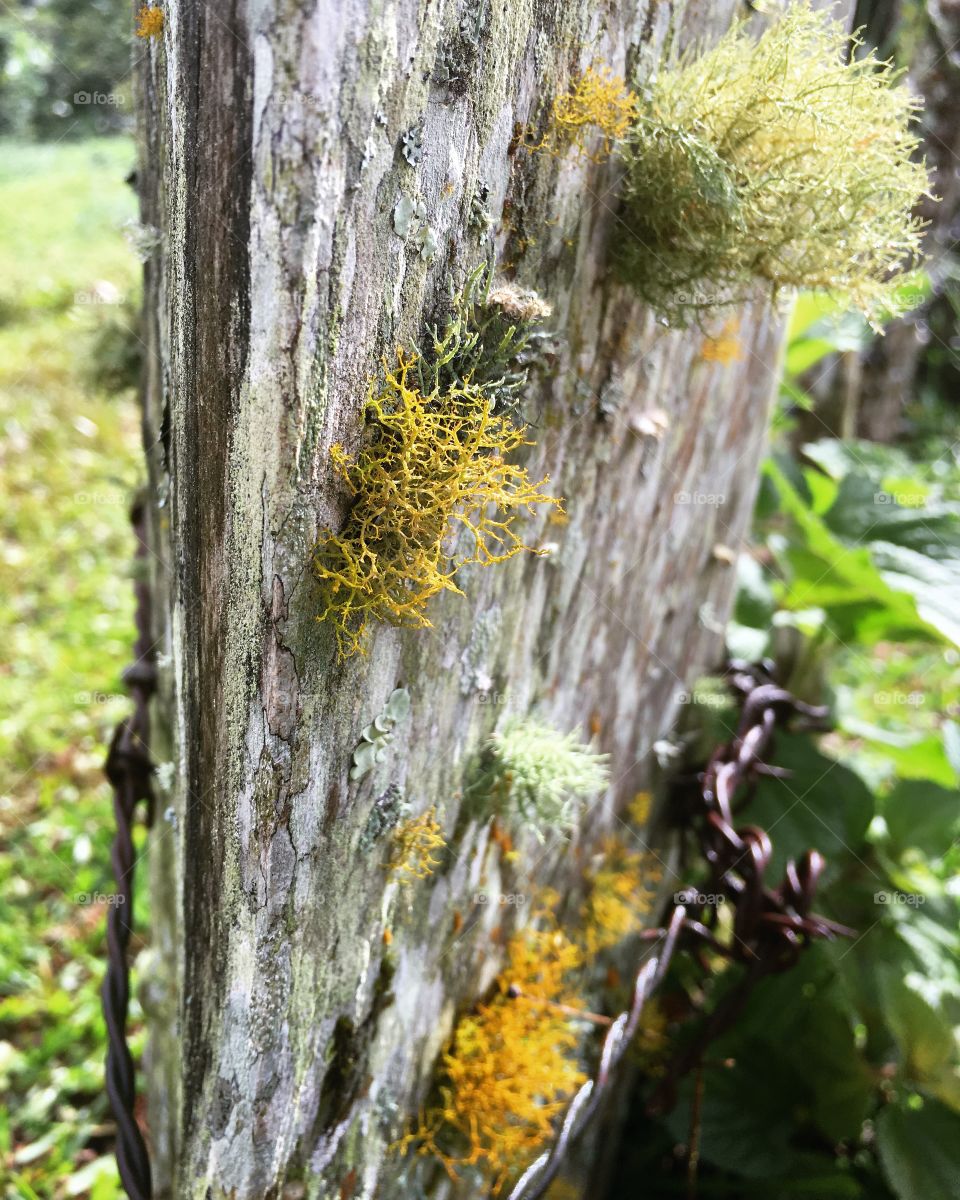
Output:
x=510 y=1067
x=149 y=22
x=597 y=101
x=620 y=896
x=413 y=844
x=724 y=347
x=501 y=838
x=457 y=920
x=387 y=937
x=435 y=463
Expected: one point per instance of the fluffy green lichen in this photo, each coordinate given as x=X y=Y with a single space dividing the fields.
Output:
x=532 y=769
x=439 y=430
x=786 y=161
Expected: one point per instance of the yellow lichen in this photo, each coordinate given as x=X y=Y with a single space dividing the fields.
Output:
x=434 y=463
x=638 y=810
x=149 y=22
x=622 y=893
x=649 y=1049
x=597 y=101
x=414 y=842
x=511 y=1065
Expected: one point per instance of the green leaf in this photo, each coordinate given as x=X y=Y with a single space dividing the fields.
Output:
x=920 y=1150
x=923 y=1033
x=922 y=815
x=754 y=604
x=823 y=805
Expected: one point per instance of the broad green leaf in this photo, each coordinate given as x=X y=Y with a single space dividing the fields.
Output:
x=920 y=1150
x=923 y=815
x=822 y=805
x=754 y=604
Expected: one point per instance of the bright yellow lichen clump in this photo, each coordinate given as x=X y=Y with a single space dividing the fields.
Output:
x=414 y=842
x=598 y=101
x=149 y=22
x=511 y=1066
x=622 y=893
x=435 y=463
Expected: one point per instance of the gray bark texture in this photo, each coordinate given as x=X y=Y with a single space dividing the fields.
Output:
x=288 y=1042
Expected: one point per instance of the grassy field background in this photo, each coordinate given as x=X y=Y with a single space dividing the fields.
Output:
x=70 y=461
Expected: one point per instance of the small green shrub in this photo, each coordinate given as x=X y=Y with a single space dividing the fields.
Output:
x=781 y=161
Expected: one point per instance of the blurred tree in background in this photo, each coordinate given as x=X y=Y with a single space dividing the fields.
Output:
x=65 y=68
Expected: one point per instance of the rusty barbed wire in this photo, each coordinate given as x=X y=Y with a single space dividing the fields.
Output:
x=129 y=771
x=770 y=926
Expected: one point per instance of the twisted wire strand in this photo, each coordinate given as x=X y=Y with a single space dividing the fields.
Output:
x=128 y=769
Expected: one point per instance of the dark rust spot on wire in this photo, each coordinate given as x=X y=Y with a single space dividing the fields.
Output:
x=129 y=770
x=771 y=925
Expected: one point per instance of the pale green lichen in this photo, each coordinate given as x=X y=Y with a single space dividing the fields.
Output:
x=787 y=162
x=378 y=735
x=539 y=773
x=410 y=222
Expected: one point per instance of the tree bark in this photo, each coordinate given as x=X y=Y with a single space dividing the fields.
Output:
x=281 y=1063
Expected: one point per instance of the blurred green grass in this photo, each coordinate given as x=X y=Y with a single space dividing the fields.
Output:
x=70 y=461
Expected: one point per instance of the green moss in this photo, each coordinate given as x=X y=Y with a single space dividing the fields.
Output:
x=493 y=340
